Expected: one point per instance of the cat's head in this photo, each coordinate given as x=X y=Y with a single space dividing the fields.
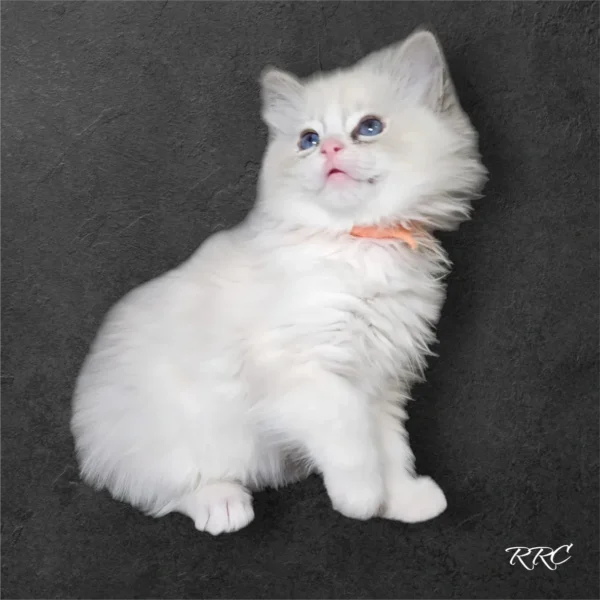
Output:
x=382 y=141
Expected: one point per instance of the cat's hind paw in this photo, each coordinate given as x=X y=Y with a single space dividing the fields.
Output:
x=219 y=507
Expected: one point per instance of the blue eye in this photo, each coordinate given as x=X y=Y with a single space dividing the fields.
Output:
x=370 y=126
x=308 y=139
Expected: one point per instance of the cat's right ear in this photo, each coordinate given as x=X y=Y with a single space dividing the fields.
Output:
x=282 y=100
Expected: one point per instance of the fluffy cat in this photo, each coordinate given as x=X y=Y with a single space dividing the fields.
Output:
x=286 y=344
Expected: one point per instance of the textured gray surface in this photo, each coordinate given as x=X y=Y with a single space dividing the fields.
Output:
x=130 y=131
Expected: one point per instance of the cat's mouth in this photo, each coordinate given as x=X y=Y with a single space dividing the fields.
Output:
x=340 y=176
x=336 y=174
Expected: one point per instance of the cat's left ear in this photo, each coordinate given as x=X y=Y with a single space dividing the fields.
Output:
x=282 y=99
x=417 y=67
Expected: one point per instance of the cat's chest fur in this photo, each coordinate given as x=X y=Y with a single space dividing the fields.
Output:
x=359 y=308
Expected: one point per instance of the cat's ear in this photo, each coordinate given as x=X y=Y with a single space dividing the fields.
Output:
x=417 y=67
x=282 y=99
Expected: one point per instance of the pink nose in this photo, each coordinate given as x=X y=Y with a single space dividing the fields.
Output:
x=330 y=147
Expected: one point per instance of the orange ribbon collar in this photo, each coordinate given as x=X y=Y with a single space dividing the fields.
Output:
x=396 y=232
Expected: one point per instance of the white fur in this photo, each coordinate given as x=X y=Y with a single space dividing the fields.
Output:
x=284 y=344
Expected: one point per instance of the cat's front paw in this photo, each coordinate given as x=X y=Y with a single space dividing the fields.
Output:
x=415 y=500
x=354 y=496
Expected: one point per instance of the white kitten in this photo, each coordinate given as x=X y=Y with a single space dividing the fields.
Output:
x=286 y=344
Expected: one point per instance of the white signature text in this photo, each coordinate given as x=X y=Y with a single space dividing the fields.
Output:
x=530 y=558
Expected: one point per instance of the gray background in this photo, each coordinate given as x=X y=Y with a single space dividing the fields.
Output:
x=131 y=131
